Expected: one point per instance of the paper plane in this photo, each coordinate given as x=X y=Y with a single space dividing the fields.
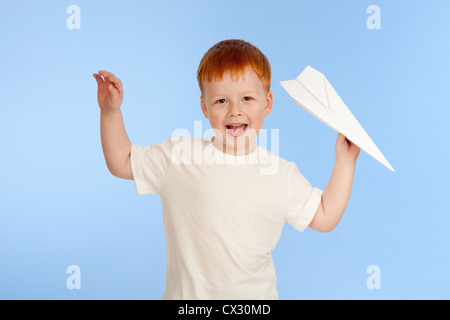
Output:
x=312 y=91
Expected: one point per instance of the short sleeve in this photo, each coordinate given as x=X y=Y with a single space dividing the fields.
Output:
x=302 y=201
x=149 y=165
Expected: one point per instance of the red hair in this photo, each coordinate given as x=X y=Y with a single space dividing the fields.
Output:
x=233 y=55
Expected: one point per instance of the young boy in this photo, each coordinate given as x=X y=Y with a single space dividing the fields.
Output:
x=222 y=214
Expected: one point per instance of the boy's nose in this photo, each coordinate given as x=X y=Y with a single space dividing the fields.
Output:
x=235 y=109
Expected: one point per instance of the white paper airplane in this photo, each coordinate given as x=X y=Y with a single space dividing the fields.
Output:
x=312 y=91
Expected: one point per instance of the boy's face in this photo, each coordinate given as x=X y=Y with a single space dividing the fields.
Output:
x=243 y=102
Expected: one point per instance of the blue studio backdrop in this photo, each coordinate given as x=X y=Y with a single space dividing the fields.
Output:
x=71 y=230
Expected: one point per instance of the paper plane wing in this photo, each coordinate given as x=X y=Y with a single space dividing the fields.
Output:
x=312 y=91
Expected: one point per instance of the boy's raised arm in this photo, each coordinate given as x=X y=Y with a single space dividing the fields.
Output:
x=336 y=195
x=115 y=142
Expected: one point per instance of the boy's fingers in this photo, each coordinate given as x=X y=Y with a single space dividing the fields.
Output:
x=115 y=80
x=106 y=73
x=117 y=83
x=113 y=90
x=98 y=78
x=111 y=78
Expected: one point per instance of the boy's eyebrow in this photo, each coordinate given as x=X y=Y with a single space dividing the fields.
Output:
x=244 y=93
x=249 y=92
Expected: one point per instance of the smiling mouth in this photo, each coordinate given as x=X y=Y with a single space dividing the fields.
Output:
x=236 y=130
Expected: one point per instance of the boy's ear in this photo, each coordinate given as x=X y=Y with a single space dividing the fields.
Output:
x=204 y=109
x=269 y=104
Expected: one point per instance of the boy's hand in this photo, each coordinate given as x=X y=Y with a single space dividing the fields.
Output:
x=346 y=151
x=110 y=92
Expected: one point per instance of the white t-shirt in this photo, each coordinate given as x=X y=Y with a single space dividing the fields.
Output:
x=222 y=214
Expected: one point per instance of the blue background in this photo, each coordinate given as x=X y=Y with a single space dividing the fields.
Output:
x=60 y=206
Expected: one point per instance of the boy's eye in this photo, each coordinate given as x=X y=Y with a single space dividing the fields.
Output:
x=247 y=98
x=221 y=101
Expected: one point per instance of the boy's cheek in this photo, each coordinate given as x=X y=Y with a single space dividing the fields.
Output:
x=216 y=122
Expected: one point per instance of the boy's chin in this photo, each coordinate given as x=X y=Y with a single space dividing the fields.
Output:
x=239 y=146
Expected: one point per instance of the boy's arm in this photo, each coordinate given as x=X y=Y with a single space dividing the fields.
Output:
x=337 y=193
x=115 y=142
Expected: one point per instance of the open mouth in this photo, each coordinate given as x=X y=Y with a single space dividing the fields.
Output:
x=236 y=130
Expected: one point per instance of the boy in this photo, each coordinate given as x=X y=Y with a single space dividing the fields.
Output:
x=223 y=217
